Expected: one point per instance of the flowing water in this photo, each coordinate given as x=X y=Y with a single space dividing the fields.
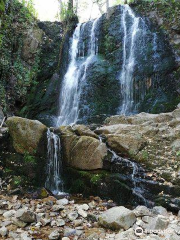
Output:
x=134 y=175
x=129 y=44
x=135 y=169
x=54 y=168
x=75 y=76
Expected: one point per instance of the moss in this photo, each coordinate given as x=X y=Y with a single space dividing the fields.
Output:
x=13 y=68
x=86 y=182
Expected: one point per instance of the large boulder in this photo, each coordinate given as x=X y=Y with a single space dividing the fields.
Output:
x=28 y=136
x=117 y=218
x=82 y=150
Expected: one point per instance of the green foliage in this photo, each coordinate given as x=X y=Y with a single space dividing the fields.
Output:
x=2 y=6
x=12 y=67
x=28 y=9
x=17 y=181
x=145 y=155
x=29 y=158
x=64 y=13
x=96 y=178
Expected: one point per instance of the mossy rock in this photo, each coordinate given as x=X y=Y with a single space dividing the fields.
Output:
x=27 y=135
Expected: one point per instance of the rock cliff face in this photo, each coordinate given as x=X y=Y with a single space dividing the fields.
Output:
x=28 y=61
x=19 y=46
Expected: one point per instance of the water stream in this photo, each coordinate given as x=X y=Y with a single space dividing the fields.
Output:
x=75 y=76
x=129 y=44
x=54 y=180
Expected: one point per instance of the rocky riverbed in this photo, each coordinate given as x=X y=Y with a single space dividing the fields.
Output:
x=73 y=218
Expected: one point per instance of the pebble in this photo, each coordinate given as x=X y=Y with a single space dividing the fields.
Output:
x=3 y=231
x=54 y=235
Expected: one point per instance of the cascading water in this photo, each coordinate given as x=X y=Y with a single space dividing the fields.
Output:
x=137 y=191
x=76 y=74
x=129 y=42
x=135 y=169
x=54 y=168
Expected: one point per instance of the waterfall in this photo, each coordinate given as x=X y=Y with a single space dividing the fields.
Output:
x=54 y=167
x=76 y=74
x=129 y=46
x=137 y=191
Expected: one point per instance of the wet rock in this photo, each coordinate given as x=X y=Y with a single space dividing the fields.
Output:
x=117 y=218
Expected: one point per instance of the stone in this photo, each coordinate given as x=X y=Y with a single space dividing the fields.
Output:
x=6 y=223
x=156 y=223
x=129 y=234
x=72 y=216
x=82 y=152
x=9 y=214
x=126 y=144
x=63 y=201
x=54 y=235
x=27 y=135
x=25 y=236
x=69 y=232
x=82 y=130
x=159 y=210
x=141 y=211
x=45 y=221
x=82 y=213
x=77 y=222
x=18 y=222
x=57 y=208
x=25 y=216
x=60 y=222
x=3 y=231
x=84 y=207
x=117 y=218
